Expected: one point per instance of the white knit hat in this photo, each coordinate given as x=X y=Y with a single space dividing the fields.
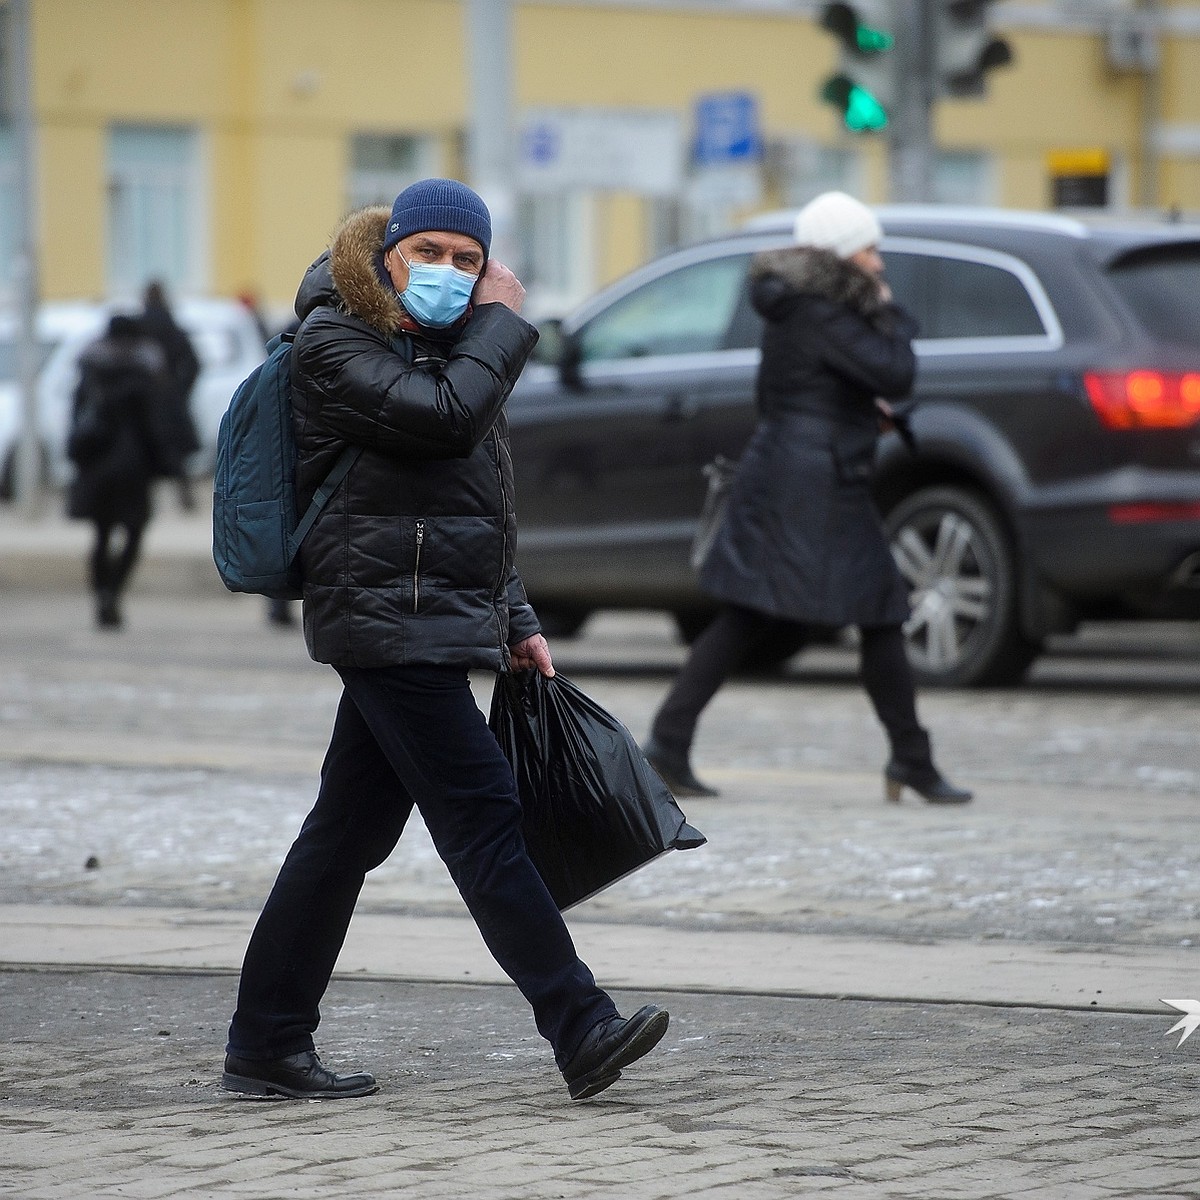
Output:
x=835 y=221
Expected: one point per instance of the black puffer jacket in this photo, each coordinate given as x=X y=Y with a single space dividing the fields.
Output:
x=411 y=562
x=114 y=439
x=802 y=539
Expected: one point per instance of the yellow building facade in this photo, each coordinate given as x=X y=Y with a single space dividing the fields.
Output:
x=218 y=142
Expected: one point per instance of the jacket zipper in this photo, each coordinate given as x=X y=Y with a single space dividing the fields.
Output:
x=502 y=586
x=417 y=565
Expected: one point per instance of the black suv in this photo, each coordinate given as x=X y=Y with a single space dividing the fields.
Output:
x=1056 y=475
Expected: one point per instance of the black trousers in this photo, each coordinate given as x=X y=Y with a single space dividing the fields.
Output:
x=735 y=632
x=110 y=565
x=405 y=736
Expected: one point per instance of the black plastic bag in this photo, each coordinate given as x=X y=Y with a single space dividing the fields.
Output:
x=594 y=809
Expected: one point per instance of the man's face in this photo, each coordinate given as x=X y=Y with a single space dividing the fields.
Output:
x=434 y=248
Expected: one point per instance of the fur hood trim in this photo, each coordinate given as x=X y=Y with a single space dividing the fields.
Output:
x=807 y=270
x=356 y=264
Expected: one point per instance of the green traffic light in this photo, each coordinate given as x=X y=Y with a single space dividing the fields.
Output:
x=843 y=20
x=861 y=111
x=872 y=41
x=864 y=112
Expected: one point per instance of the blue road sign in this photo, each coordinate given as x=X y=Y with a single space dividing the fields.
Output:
x=727 y=129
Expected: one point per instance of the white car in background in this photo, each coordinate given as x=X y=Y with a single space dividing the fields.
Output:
x=55 y=324
x=223 y=333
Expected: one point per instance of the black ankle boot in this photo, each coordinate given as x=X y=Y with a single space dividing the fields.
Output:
x=108 y=614
x=672 y=766
x=925 y=780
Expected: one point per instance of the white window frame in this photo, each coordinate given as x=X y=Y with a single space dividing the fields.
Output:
x=381 y=185
x=131 y=264
x=559 y=271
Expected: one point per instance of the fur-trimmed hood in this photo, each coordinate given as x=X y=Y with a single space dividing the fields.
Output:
x=350 y=275
x=779 y=276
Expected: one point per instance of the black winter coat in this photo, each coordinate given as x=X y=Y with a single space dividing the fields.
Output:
x=113 y=441
x=411 y=561
x=177 y=428
x=802 y=539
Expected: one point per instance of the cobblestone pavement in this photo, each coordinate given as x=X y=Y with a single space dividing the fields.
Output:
x=746 y=1097
x=171 y=764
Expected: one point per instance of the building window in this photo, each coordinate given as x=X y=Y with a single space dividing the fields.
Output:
x=155 y=226
x=963 y=177
x=800 y=170
x=555 y=236
x=382 y=165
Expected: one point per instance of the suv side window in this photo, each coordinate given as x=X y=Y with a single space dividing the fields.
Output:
x=907 y=277
x=963 y=297
x=978 y=300
x=685 y=312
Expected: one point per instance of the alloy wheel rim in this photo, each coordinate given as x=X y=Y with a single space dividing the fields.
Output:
x=945 y=563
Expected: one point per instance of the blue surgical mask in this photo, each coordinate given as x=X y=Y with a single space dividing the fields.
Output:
x=436 y=295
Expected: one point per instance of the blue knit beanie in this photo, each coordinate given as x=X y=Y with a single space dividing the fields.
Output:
x=439 y=204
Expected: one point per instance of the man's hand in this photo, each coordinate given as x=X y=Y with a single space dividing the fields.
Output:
x=498 y=285
x=532 y=653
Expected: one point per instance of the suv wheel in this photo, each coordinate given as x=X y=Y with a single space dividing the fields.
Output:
x=956 y=558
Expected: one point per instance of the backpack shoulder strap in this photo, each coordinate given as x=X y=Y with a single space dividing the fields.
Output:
x=341 y=469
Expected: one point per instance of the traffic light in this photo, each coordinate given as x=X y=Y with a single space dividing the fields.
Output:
x=863 y=89
x=965 y=48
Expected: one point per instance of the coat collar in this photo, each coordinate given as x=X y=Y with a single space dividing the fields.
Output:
x=805 y=270
x=358 y=274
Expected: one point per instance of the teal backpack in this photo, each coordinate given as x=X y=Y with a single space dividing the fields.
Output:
x=256 y=532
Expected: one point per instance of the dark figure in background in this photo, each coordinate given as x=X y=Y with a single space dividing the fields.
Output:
x=115 y=446
x=177 y=428
x=802 y=544
x=410 y=344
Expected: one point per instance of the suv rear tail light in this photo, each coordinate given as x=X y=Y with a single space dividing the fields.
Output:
x=1144 y=399
x=1141 y=514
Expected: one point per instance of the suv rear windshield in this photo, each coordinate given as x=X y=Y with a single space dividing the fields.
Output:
x=1161 y=286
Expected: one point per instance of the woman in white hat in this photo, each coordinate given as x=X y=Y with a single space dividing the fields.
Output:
x=801 y=544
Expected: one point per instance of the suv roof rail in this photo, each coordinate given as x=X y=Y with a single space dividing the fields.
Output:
x=782 y=219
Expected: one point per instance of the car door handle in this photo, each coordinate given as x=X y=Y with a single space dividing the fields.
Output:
x=679 y=407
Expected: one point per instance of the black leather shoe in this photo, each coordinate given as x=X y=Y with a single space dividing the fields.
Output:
x=925 y=780
x=673 y=769
x=611 y=1045
x=300 y=1076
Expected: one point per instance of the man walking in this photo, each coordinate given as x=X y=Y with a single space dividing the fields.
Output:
x=409 y=346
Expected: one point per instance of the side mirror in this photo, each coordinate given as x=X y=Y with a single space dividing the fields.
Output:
x=561 y=350
x=569 y=358
x=550 y=342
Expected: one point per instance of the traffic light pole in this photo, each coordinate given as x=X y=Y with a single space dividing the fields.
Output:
x=490 y=141
x=910 y=132
x=28 y=476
